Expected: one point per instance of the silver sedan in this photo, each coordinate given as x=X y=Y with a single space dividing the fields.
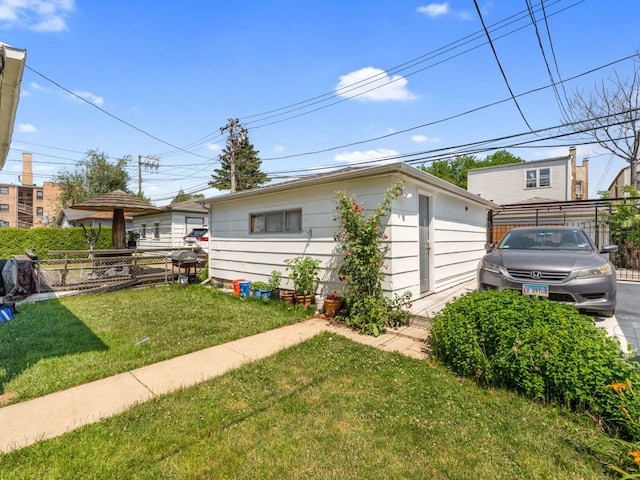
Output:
x=560 y=263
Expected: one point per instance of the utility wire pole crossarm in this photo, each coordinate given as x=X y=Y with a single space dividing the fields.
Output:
x=149 y=162
x=235 y=141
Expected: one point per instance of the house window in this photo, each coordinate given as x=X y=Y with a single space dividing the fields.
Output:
x=39 y=211
x=4 y=190
x=156 y=231
x=289 y=221
x=4 y=207
x=579 y=189
x=537 y=178
x=143 y=231
x=39 y=195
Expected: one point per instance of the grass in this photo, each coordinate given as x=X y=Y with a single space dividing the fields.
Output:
x=57 y=344
x=327 y=408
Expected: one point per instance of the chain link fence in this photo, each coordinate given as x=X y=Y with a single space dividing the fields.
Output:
x=112 y=269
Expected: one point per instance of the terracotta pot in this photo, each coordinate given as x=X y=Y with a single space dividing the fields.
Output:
x=305 y=300
x=286 y=296
x=331 y=306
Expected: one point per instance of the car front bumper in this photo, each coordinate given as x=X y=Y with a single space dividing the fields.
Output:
x=592 y=294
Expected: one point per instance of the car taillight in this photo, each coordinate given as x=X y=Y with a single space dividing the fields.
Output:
x=205 y=239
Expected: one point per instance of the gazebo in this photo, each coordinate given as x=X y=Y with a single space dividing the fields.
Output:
x=118 y=202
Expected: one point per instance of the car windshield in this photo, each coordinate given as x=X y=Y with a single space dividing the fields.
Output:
x=547 y=239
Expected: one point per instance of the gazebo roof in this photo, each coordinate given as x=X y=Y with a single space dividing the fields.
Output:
x=116 y=200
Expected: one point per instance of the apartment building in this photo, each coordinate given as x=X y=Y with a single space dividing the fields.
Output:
x=26 y=205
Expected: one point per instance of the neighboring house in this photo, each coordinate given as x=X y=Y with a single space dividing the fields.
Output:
x=71 y=217
x=622 y=180
x=436 y=231
x=12 y=62
x=27 y=205
x=168 y=227
x=552 y=179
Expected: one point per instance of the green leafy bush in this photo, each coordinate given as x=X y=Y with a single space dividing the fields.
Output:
x=546 y=350
x=14 y=241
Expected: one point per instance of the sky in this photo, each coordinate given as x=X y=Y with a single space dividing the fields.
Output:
x=318 y=85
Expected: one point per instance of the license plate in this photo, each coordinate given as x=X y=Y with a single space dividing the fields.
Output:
x=537 y=290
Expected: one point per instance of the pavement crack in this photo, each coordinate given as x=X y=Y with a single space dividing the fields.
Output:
x=143 y=384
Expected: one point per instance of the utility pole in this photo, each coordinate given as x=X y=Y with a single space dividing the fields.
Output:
x=235 y=141
x=149 y=162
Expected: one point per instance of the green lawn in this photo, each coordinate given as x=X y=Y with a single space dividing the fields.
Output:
x=57 y=344
x=327 y=408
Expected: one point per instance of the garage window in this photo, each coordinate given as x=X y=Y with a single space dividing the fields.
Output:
x=279 y=221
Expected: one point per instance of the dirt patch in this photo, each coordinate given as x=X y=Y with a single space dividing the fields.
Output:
x=6 y=398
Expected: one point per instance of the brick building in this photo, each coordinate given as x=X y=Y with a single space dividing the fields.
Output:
x=26 y=205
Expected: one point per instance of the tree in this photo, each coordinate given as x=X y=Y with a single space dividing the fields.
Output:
x=93 y=176
x=610 y=115
x=239 y=162
x=183 y=197
x=455 y=171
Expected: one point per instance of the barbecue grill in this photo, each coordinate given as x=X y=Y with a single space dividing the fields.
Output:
x=184 y=259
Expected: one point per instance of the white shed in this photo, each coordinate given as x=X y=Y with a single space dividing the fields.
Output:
x=436 y=231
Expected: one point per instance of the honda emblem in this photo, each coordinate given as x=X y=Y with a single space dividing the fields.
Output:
x=536 y=275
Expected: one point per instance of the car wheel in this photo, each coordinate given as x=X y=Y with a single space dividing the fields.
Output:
x=608 y=313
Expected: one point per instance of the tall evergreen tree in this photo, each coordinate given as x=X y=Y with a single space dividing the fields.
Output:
x=247 y=168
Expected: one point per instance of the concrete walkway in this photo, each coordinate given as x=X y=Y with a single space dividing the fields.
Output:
x=45 y=417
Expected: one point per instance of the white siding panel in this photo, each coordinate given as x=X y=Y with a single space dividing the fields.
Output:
x=457 y=234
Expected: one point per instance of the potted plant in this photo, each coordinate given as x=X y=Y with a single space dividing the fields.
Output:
x=304 y=273
x=261 y=289
x=332 y=304
x=274 y=284
x=132 y=239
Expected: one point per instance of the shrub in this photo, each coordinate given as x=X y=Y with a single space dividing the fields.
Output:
x=548 y=351
x=362 y=244
x=14 y=241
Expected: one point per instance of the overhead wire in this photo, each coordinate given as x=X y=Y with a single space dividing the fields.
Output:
x=534 y=22
x=504 y=75
x=553 y=55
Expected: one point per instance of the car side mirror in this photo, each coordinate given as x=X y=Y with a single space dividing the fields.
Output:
x=489 y=247
x=609 y=249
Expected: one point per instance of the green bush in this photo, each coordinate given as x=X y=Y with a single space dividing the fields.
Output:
x=546 y=350
x=14 y=241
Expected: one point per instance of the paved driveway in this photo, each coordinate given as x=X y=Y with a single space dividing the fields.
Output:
x=626 y=323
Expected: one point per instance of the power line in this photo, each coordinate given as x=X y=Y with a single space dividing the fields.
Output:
x=115 y=117
x=504 y=75
x=544 y=57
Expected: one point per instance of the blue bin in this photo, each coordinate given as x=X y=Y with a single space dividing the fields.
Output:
x=245 y=288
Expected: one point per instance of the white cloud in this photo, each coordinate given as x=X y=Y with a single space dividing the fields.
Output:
x=381 y=154
x=279 y=148
x=213 y=147
x=434 y=9
x=37 y=86
x=438 y=9
x=373 y=84
x=26 y=128
x=38 y=15
x=424 y=139
x=90 y=97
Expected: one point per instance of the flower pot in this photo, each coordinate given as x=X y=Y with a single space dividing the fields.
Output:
x=331 y=306
x=286 y=296
x=262 y=293
x=304 y=300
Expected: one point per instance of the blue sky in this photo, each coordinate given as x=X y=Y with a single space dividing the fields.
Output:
x=318 y=84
